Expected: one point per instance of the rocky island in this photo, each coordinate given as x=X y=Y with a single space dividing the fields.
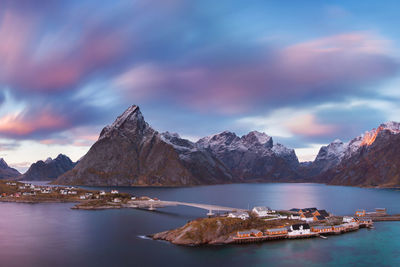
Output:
x=258 y=227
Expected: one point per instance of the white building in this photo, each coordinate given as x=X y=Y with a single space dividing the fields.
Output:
x=262 y=211
x=348 y=219
x=116 y=200
x=102 y=193
x=239 y=214
x=63 y=192
x=114 y=192
x=307 y=217
x=82 y=197
x=299 y=229
x=295 y=217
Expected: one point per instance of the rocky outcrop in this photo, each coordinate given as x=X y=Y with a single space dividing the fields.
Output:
x=49 y=169
x=130 y=152
x=252 y=157
x=6 y=172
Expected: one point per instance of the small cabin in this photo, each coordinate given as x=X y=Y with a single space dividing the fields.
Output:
x=380 y=211
x=295 y=216
x=307 y=217
x=117 y=200
x=243 y=234
x=340 y=227
x=262 y=211
x=348 y=219
x=360 y=213
x=321 y=229
x=276 y=231
x=251 y=233
x=242 y=215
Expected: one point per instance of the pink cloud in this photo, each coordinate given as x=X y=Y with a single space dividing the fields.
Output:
x=23 y=124
x=58 y=69
x=307 y=125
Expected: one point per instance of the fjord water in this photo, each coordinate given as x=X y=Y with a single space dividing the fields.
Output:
x=55 y=235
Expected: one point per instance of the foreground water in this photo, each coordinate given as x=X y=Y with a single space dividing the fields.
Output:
x=55 y=235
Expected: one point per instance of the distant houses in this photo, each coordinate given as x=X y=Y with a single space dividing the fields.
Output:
x=239 y=214
x=309 y=214
x=262 y=211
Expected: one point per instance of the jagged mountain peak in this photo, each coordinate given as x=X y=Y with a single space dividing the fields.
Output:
x=255 y=137
x=131 y=113
x=131 y=121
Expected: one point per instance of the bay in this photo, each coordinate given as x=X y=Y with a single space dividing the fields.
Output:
x=55 y=235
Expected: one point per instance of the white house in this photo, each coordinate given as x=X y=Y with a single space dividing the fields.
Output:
x=239 y=214
x=45 y=191
x=63 y=192
x=116 y=200
x=72 y=192
x=82 y=197
x=299 y=229
x=348 y=219
x=102 y=193
x=307 y=217
x=295 y=216
x=114 y=192
x=262 y=211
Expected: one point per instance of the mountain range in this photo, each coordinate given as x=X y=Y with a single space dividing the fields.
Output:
x=6 y=172
x=49 y=169
x=130 y=152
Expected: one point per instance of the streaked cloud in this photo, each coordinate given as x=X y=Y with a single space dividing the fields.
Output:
x=195 y=67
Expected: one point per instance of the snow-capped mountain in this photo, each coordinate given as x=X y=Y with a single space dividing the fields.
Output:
x=370 y=159
x=6 y=172
x=252 y=156
x=130 y=152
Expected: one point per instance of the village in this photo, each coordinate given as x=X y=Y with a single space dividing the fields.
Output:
x=25 y=192
x=307 y=222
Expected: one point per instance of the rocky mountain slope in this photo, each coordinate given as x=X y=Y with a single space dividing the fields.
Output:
x=49 y=169
x=252 y=157
x=130 y=152
x=371 y=159
x=6 y=172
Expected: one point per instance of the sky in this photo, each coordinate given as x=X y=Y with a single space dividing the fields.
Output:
x=304 y=72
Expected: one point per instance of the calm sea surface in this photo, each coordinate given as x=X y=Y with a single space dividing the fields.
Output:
x=55 y=235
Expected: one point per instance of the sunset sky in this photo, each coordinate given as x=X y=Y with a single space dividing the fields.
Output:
x=304 y=72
